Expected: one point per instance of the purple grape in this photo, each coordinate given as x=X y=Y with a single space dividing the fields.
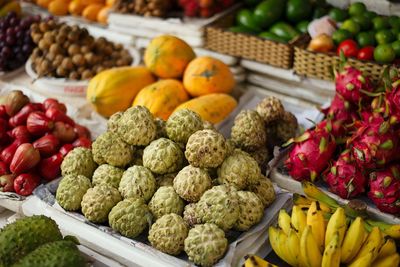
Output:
x=36 y=18
x=3 y=37
x=10 y=40
x=11 y=15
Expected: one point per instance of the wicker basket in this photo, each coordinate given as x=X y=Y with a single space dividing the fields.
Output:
x=321 y=65
x=221 y=40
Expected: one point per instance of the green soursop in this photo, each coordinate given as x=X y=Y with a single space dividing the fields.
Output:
x=239 y=170
x=219 y=205
x=107 y=174
x=190 y=216
x=248 y=131
x=182 y=124
x=206 y=149
x=98 y=202
x=24 y=236
x=168 y=234
x=191 y=182
x=164 y=201
x=62 y=253
x=130 y=217
x=251 y=210
x=264 y=189
x=161 y=128
x=71 y=190
x=270 y=109
x=79 y=162
x=137 y=127
x=163 y=156
x=111 y=149
x=206 y=244
x=137 y=181
x=112 y=123
x=166 y=179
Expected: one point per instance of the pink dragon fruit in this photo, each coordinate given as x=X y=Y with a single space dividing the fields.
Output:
x=336 y=128
x=345 y=178
x=393 y=103
x=310 y=155
x=350 y=84
x=374 y=144
x=385 y=189
x=340 y=110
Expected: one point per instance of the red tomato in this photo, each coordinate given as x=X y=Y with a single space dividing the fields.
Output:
x=366 y=53
x=349 y=48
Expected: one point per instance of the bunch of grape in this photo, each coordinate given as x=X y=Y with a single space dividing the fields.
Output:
x=15 y=40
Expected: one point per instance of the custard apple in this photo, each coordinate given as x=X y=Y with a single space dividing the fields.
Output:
x=262 y=157
x=98 y=202
x=206 y=149
x=107 y=174
x=264 y=189
x=206 y=244
x=137 y=157
x=164 y=201
x=71 y=190
x=137 y=127
x=251 y=210
x=109 y=148
x=248 y=131
x=137 y=181
x=166 y=179
x=239 y=170
x=191 y=182
x=79 y=162
x=130 y=217
x=163 y=156
x=208 y=126
x=286 y=127
x=219 y=205
x=182 y=124
x=270 y=109
x=112 y=123
x=190 y=215
x=168 y=234
x=161 y=129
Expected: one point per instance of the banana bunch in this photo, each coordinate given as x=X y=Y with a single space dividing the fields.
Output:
x=306 y=238
x=8 y=6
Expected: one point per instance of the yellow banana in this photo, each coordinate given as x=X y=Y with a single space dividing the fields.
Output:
x=273 y=235
x=255 y=261
x=310 y=254
x=392 y=230
x=331 y=256
x=312 y=191
x=301 y=200
x=284 y=221
x=286 y=255
x=315 y=219
x=364 y=261
x=388 y=248
x=11 y=6
x=389 y=261
x=353 y=240
x=337 y=223
x=372 y=245
x=298 y=220
x=293 y=246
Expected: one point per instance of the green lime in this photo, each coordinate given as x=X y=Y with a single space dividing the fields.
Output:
x=366 y=39
x=396 y=47
x=380 y=23
x=340 y=35
x=394 y=21
x=302 y=26
x=245 y=18
x=338 y=15
x=395 y=31
x=357 y=9
x=364 y=22
x=370 y=14
x=351 y=26
x=384 y=53
x=384 y=37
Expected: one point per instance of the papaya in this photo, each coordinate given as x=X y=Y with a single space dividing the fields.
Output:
x=90 y=12
x=162 y=97
x=213 y=108
x=115 y=89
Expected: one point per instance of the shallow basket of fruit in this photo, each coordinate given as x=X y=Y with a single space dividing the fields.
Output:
x=67 y=57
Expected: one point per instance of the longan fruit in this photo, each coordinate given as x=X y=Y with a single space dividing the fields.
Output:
x=87 y=74
x=55 y=48
x=43 y=27
x=43 y=45
x=78 y=60
x=74 y=75
x=85 y=49
x=61 y=71
x=60 y=38
x=67 y=63
x=73 y=49
x=72 y=36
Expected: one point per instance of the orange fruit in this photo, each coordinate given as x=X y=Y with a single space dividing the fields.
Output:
x=76 y=7
x=110 y=2
x=43 y=3
x=89 y=2
x=58 y=7
x=102 y=16
x=90 y=12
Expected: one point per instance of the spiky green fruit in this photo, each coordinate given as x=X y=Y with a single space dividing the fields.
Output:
x=251 y=210
x=137 y=181
x=182 y=124
x=79 y=161
x=191 y=182
x=164 y=201
x=107 y=174
x=71 y=190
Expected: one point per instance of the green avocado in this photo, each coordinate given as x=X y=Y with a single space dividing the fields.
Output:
x=245 y=18
x=302 y=26
x=272 y=36
x=268 y=12
x=241 y=29
x=298 y=10
x=284 y=30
